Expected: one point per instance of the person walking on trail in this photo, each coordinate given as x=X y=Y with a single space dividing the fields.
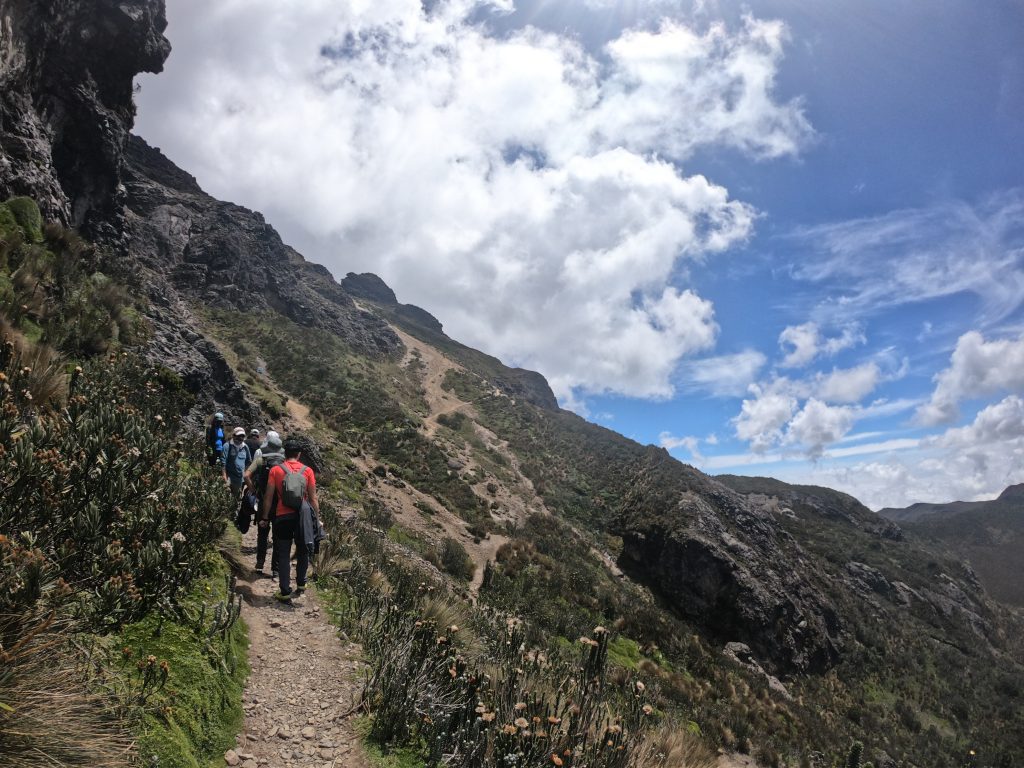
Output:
x=236 y=457
x=270 y=455
x=254 y=442
x=289 y=485
x=215 y=440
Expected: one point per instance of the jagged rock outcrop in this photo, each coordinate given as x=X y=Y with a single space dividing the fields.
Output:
x=723 y=564
x=514 y=382
x=812 y=500
x=66 y=71
x=189 y=249
x=369 y=286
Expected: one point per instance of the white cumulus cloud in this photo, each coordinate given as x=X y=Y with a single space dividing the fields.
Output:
x=977 y=368
x=848 y=385
x=763 y=416
x=804 y=343
x=516 y=186
x=818 y=425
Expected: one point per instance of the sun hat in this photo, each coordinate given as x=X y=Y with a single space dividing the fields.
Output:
x=239 y=431
x=254 y=432
x=218 y=416
x=273 y=438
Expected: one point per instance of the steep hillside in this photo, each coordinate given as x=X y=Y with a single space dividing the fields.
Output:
x=778 y=620
x=987 y=534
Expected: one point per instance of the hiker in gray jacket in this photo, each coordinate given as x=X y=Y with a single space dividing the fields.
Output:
x=270 y=454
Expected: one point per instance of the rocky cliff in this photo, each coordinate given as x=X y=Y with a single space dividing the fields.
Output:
x=66 y=72
x=725 y=563
x=192 y=252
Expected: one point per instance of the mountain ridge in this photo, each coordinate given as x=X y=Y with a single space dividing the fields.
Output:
x=580 y=525
x=987 y=534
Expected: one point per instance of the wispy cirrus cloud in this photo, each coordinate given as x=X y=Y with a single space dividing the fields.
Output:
x=918 y=254
x=722 y=375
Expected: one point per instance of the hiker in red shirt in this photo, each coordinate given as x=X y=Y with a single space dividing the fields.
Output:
x=288 y=485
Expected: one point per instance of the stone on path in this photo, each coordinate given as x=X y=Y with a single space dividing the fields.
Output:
x=231 y=757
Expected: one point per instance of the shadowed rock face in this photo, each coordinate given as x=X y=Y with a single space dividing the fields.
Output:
x=726 y=566
x=187 y=248
x=66 y=72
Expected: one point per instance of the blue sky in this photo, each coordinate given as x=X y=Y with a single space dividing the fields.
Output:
x=776 y=237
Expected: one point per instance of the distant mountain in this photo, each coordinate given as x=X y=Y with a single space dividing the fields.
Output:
x=777 y=619
x=988 y=534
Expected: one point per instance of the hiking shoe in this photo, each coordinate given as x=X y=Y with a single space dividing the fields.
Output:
x=299 y=591
x=259 y=571
x=281 y=597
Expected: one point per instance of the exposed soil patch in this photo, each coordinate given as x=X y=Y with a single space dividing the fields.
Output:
x=299 y=414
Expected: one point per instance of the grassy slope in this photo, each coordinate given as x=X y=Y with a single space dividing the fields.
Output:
x=193 y=719
x=548 y=573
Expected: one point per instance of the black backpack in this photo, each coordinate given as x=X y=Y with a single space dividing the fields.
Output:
x=270 y=460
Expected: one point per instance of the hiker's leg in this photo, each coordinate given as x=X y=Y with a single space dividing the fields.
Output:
x=282 y=552
x=301 y=563
x=262 y=540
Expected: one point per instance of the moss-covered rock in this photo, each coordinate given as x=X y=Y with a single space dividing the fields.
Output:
x=9 y=229
x=26 y=214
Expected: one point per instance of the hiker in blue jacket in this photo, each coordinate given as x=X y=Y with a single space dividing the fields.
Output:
x=215 y=440
x=236 y=459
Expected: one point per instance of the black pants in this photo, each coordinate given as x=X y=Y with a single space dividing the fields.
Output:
x=286 y=529
x=262 y=544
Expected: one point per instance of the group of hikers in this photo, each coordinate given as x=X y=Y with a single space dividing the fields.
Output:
x=267 y=477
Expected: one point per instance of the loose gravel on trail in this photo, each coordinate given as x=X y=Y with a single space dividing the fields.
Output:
x=304 y=680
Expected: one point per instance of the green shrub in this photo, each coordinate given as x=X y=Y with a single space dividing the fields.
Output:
x=26 y=214
x=455 y=560
x=10 y=233
x=434 y=692
x=102 y=490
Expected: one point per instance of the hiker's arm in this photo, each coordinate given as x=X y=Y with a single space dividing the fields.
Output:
x=249 y=472
x=268 y=502
x=314 y=502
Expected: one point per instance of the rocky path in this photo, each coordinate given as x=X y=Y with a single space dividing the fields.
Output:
x=303 y=681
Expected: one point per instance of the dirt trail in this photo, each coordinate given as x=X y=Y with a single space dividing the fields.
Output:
x=299 y=414
x=736 y=761
x=302 y=682
x=435 y=368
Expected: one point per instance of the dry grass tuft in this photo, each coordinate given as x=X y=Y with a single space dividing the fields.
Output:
x=48 y=717
x=334 y=557
x=673 y=745
x=47 y=380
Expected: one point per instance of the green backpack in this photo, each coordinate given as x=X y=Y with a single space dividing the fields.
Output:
x=293 y=489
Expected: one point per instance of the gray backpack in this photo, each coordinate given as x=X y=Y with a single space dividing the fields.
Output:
x=293 y=489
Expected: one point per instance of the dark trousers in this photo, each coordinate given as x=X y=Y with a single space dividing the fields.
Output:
x=286 y=530
x=262 y=544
